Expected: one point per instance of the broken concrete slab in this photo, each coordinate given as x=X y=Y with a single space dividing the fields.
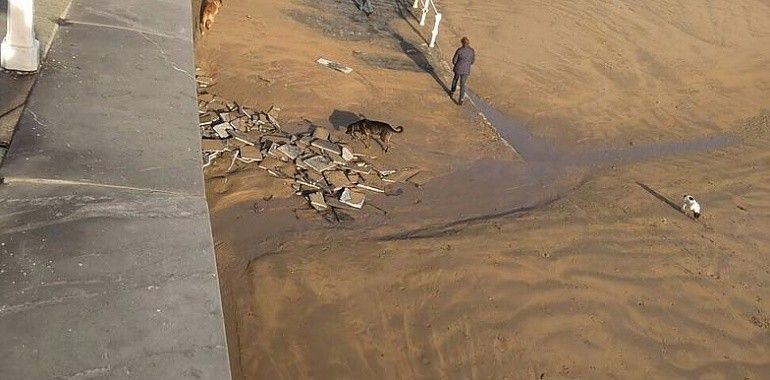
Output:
x=371 y=183
x=321 y=133
x=327 y=146
x=337 y=179
x=272 y=149
x=209 y=145
x=352 y=198
x=346 y=154
x=317 y=201
x=336 y=158
x=270 y=163
x=319 y=163
x=208 y=118
x=304 y=141
x=222 y=130
x=334 y=65
x=225 y=116
x=240 y=124
x=290 y=151
x=300 y=162
x=251 y=153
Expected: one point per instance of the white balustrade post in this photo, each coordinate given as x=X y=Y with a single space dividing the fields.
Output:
x=425 y=12
x=434 y=35
x=20 y=50
x=416 y=2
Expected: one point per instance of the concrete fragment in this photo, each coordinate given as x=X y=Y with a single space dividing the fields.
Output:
x=304 y=142
x=336 y=158
x=334 y=65
x=319 y=163
x=272 y=149
x=352 y=198
x=337 y=179
x=222 y=130
x=346 y=154
x=317 y=201
x=208 y=117
x=372 y=183
x=208 y=145
x=327 y=146
x=353 y=177
x=269 y=163
x=240 y=124
x=321 y=133
x=225 y=116
x=290 y=151
x=251 y=153
x=300 y=162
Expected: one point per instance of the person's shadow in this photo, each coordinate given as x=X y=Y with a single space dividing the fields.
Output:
x=419 y=59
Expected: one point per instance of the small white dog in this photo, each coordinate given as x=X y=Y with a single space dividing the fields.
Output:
x=691 y=206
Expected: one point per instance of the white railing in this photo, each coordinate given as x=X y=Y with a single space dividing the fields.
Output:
x=20 y=50
x=427 y=6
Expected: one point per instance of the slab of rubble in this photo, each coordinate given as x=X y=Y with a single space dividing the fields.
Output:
x=318 y=166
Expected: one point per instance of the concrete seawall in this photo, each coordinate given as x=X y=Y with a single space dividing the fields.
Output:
x=106 y=258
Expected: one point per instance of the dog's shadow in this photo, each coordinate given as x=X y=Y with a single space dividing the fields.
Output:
x=340 y=119
x=661 y=197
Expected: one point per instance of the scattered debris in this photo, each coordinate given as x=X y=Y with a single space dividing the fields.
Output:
x=317 y=166
x=334 y=65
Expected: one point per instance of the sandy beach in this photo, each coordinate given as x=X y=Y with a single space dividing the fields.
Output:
x=548 y=247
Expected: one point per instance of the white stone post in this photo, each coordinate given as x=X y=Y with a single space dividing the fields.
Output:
x=416 y=2
x=434 y=34
x=424 y=12
x=20 y=50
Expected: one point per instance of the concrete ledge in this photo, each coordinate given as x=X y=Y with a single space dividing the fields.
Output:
x=106 y=258
x=110 y=282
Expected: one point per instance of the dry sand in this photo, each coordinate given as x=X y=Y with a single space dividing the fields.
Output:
x=506 y=268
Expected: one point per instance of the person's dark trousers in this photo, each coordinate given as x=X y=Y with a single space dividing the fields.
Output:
x=461 y=78
x=366 y=6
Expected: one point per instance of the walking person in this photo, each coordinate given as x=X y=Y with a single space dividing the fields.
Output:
x=462 y=61
x=366 y=7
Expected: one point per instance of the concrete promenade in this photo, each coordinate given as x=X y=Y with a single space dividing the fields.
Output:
x=106 y=258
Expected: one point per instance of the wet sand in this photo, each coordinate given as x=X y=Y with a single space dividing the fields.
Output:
x=564 y=260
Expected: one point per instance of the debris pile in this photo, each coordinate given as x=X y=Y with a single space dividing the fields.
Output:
x=323 y=170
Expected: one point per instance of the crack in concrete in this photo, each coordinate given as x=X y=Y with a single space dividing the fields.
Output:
x=48 y=181
x=34 y=116
x=165 y=56
x=9 y=309
x=90 y=373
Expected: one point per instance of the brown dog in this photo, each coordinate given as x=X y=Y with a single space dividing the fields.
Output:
x=366 y=128
x=209 y=11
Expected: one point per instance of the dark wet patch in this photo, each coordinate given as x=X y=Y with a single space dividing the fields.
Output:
x=343 y=20
x=337 y=26
x=532 y=148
